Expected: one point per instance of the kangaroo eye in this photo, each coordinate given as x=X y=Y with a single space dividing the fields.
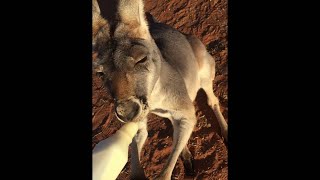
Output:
x=143 y=60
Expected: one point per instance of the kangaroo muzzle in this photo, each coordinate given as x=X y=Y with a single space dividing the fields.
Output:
x=127 y=110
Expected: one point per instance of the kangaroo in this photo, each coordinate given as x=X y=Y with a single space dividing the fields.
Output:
x=150 y=67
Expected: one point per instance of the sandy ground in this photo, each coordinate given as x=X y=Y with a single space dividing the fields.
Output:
x=207 y=19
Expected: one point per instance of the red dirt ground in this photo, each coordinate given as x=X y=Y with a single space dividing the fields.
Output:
x=207 y=19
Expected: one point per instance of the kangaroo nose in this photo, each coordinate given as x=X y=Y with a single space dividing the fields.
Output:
x=127 y=110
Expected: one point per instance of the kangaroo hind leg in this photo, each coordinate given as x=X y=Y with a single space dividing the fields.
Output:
x=207 y=74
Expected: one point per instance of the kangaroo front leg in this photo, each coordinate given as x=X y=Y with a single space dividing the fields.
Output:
x=182 y=130
x=137 y=172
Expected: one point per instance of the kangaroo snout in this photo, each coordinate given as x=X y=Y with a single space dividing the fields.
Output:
x=127 y=110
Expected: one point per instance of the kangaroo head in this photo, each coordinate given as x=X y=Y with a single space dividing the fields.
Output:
x=125 y=53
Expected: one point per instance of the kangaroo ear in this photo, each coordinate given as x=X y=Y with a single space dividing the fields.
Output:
x=100 y=29
x=131 y=14
x=98 y=22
